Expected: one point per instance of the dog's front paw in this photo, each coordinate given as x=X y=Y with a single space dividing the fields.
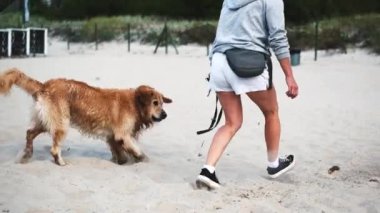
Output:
x=113 y=159
x=122 y=161
x=141 y=158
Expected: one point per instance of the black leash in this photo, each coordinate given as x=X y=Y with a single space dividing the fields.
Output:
x=215 y=119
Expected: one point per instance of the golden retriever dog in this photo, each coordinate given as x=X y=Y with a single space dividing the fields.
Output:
x=115 y=115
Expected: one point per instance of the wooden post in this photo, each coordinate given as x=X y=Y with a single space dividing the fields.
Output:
x=160 y=38
x=166 y=38
x=170 y=38
x=316 y=40
x=68 y=37
x=96 y=37
x=129 y=37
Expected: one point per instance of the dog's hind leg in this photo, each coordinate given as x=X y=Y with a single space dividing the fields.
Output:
x=31 y=134
x=35 y=129
x=58 y=121
x=58 y=135
x=118 y=154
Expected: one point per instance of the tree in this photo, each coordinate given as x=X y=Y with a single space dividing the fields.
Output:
x=296 y=11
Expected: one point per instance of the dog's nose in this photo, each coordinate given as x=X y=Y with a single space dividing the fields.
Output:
x=163 y=115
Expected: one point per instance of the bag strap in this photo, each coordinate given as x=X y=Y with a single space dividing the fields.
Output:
x=215 y=119
x=270 y=71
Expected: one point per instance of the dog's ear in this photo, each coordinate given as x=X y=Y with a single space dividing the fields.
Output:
x=166 y=100
x=144 y=95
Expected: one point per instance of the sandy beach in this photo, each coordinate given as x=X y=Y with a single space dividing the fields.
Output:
x=335 y=121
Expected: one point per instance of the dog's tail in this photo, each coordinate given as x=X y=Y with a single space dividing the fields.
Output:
x=15 y=76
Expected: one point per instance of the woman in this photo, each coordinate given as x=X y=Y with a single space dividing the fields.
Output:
x=253 y=25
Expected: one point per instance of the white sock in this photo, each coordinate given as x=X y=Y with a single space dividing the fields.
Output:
x=273 y=164
x=211 y=169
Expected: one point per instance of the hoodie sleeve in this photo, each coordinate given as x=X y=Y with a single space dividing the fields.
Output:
x=275 y=17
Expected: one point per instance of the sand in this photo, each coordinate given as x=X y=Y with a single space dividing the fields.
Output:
x=335 y=121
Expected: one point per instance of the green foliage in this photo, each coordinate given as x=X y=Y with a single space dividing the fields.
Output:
x=339 y=33
x=334 y=38
x=103 y=29
x=335 y=33
x=301 y=37
x=301 y=11
x=201 y=33
x=367 y=31
x=374 y=41
x=14 y=20
x=9 y=20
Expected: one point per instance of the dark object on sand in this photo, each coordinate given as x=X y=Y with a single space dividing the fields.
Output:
x=333 y=169
x=374 y=180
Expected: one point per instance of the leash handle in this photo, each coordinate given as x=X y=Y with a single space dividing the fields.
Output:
x=215 y=119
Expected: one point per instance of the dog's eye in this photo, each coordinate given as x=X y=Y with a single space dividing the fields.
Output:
x=155 y=103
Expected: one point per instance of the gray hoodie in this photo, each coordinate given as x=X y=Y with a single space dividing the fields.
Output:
x=252 y=24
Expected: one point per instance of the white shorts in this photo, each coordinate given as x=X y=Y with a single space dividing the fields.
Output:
x=223 y=79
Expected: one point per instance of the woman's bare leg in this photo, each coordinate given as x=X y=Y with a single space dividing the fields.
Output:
x=232 y=109
x=267 y=102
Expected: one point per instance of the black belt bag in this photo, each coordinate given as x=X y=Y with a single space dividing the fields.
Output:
x=246 y=63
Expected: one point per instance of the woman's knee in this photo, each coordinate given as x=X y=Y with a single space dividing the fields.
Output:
x=234 y=126
x=271 y=112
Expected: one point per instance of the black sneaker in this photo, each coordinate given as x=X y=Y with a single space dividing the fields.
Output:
x=284 y=165
x=205 y=178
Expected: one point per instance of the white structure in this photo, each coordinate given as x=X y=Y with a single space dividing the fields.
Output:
x=32 y=39
x=6 y=41
x=19 y=42
x=24 y=41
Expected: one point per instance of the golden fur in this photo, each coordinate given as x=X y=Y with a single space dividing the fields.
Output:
x=115 y=115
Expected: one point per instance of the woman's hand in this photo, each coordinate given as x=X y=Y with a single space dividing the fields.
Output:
x=292 y=87
x=290 y=81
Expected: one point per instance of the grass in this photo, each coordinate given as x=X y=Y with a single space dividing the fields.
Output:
x=362 y=31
